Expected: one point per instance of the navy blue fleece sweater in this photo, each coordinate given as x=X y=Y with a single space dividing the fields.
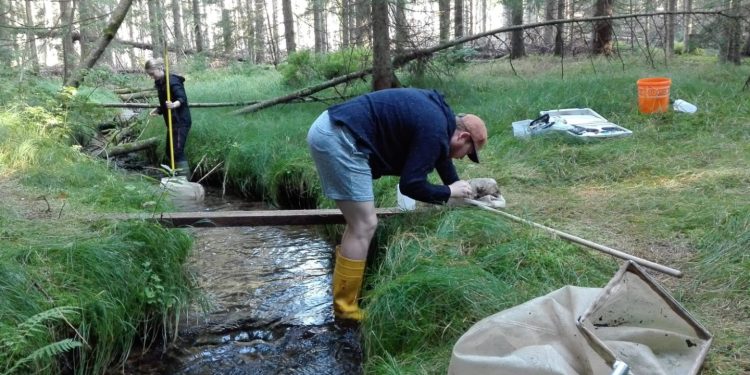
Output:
x=406 y=133
x=180 y=115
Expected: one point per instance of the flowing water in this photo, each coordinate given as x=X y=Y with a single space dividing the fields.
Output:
x=267 y=305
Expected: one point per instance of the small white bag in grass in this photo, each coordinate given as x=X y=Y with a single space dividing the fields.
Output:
x=183 y=193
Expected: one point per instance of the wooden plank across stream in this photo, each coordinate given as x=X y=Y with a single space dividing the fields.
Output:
x=255 y=218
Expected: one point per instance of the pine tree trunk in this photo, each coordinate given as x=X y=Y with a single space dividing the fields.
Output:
x=381 y=60
x=602 y=43
x=670 y=31
x=550 y=11
x=273 y=37
x=154 y=22
x=458 y=19
x=324 y=24
x=250 y=26
x=345 y=22
x=260 y=31
x=179 y=40
x=131 y=34
x=286 y=9
x=517 y=46
x=735 y=34
x=688 y=26
x=560 y=29
x=469 y=17
x=45 y=41
x=226 y=29
x=402 y=28
x=318 y=25
x=484 y=15
x=275 y=28
x=444 y=14
x=85 y=20
x=362 y=19
x=68 y=52
x=198 y=29
x=6 y=49
x=31 y=38
x=352 y=23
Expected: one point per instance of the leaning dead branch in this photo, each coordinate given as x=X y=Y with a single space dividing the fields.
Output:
x=402 y=60
x=101 y=44
x=127 y=148
x=304 y=92
x=306 y=99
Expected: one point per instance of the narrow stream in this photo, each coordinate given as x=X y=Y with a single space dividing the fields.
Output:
x=268 y=304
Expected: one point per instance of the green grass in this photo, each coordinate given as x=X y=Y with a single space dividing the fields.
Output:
x=124 y=281
x=75 y=292
x=676 y=192
x=673 y=192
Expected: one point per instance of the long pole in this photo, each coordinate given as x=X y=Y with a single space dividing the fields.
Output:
x=169 y=110
x=584 y=242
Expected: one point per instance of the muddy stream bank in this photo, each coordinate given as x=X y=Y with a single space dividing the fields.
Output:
x=267 y=305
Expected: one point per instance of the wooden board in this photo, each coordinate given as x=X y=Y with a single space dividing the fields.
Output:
x=255 y=218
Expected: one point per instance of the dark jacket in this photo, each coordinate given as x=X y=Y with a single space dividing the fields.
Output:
x=180 y=115
x=406 y=133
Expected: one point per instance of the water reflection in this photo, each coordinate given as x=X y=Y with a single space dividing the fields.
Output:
x=268 y=298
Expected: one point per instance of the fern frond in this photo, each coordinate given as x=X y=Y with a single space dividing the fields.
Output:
x=45 y=352
x=36 y=322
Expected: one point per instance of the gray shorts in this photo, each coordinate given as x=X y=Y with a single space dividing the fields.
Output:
x=344 y=171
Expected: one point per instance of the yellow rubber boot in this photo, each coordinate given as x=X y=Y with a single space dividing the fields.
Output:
x=347 y=282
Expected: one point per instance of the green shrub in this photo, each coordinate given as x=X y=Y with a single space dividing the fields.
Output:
x=304 y=67
x=679 y=48
x=344 y=62
x=298 y=68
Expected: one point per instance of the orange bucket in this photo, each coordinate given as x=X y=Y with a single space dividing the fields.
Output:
x=653 y=94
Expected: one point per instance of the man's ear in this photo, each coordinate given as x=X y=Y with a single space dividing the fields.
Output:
x=464 y=135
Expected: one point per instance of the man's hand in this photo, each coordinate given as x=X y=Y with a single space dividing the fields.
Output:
x=461 y=189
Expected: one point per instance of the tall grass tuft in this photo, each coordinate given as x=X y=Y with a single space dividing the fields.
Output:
x=76 y=294
x=723 y=259
x=125 y=279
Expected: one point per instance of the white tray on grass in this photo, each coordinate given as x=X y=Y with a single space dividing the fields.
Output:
x=576 y=122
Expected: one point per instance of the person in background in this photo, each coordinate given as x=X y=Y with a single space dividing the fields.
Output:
x=181 y=120
x=399 y=132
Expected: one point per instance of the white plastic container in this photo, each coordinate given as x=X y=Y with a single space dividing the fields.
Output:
x=405 y=203
x=683 y=106
x=521 y=129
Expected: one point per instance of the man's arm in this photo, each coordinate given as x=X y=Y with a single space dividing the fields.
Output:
x=420 y=161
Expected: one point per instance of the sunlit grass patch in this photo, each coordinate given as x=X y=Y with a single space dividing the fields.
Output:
x=124 y=280
x=724 y=259
x=432 y=302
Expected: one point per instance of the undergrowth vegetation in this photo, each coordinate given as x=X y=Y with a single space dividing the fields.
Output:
x=75 y=292
x=674 y=192
x=677 y=192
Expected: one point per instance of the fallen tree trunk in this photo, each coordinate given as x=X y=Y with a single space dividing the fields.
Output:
x=402 y=60
x=137 y=95
x=127 y=148
x=132 y=90
x=307 y=99
x=154 y=105
x=304 y=92
x=126 y=90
